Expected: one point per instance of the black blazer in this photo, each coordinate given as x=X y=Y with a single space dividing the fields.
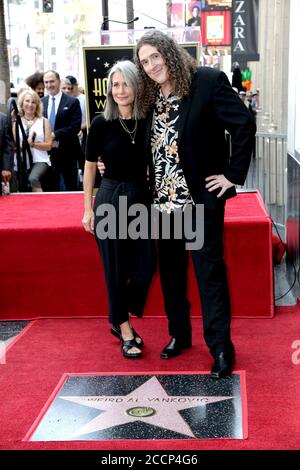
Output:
x=212 y=107
x=6 y=145
x=67 y=125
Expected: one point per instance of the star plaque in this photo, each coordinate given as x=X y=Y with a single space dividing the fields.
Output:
x=141 y=406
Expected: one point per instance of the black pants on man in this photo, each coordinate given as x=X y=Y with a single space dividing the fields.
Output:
x=212 y=282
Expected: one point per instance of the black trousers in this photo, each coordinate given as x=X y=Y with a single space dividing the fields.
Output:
x=211 y=278
x=128 y=264
x=61 y=168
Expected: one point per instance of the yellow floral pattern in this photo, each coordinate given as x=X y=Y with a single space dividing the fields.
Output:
x=171 y=187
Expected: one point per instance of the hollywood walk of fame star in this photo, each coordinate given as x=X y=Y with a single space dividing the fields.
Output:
x=149 y=403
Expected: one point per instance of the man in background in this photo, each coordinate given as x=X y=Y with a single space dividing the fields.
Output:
x=82 y=100
x=64 y=114
x=36 y=82
x=195 y=20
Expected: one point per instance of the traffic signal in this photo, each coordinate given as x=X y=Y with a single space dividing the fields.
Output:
x=16 y=60
x=47 y=6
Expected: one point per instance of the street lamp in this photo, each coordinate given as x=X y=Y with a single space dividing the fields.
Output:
x=47 y=6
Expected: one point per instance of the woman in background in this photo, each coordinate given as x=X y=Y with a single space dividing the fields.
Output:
x=38 y=132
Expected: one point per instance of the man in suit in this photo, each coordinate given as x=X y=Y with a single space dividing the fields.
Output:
x=195 y=19
x=6 y=150
x=64 y=114
x=189 y=109
x=82 y=100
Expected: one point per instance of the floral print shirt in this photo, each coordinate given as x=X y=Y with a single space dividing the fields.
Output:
x=171 y=188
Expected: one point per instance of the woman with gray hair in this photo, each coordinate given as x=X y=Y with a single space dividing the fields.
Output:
x=118 y=137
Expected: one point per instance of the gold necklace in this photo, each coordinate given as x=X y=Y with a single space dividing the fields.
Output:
x=29 y=121
x=132 y=134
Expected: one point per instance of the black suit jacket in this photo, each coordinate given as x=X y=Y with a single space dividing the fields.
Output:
x=6 y=145
x=67 y=126
x=212 y=107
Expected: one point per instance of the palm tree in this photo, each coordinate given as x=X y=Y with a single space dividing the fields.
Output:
x=169 y=9
x=79 y=12
x=4 y=64
x=130 y=13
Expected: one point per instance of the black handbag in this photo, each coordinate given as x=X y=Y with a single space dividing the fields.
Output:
x=22 y=152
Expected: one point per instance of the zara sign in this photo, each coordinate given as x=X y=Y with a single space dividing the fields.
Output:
x=244 y=30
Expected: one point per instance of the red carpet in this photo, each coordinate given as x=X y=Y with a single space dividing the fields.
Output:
x=50 y=348
x=51 y=268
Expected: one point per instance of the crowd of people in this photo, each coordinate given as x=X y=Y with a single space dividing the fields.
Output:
x=48 y=134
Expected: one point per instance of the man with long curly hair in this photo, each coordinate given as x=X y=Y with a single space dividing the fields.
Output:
x=189 y=109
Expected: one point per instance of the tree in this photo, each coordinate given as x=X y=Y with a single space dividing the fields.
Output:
x=169 y=10
x=130 y=13
x=4 y=64
x=80 y=12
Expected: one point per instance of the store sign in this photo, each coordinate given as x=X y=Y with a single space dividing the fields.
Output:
x=244 y=30
x=216 y=28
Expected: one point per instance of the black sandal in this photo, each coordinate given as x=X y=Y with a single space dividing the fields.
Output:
x=126 y=345
x=116 y=331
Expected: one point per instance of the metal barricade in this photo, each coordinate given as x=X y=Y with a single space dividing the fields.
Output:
x=267 y=173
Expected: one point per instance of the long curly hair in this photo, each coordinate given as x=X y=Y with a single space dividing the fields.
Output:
x=181 y=67
x=35 y=79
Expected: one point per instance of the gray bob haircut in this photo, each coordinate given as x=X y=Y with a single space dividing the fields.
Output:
x=130 y=74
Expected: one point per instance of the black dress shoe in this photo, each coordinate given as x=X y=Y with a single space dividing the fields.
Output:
x=223 y=365
x=175 y=347
x=116 y=331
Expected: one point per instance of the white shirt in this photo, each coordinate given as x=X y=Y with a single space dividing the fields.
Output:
x=41 y=156
x=81 y=98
